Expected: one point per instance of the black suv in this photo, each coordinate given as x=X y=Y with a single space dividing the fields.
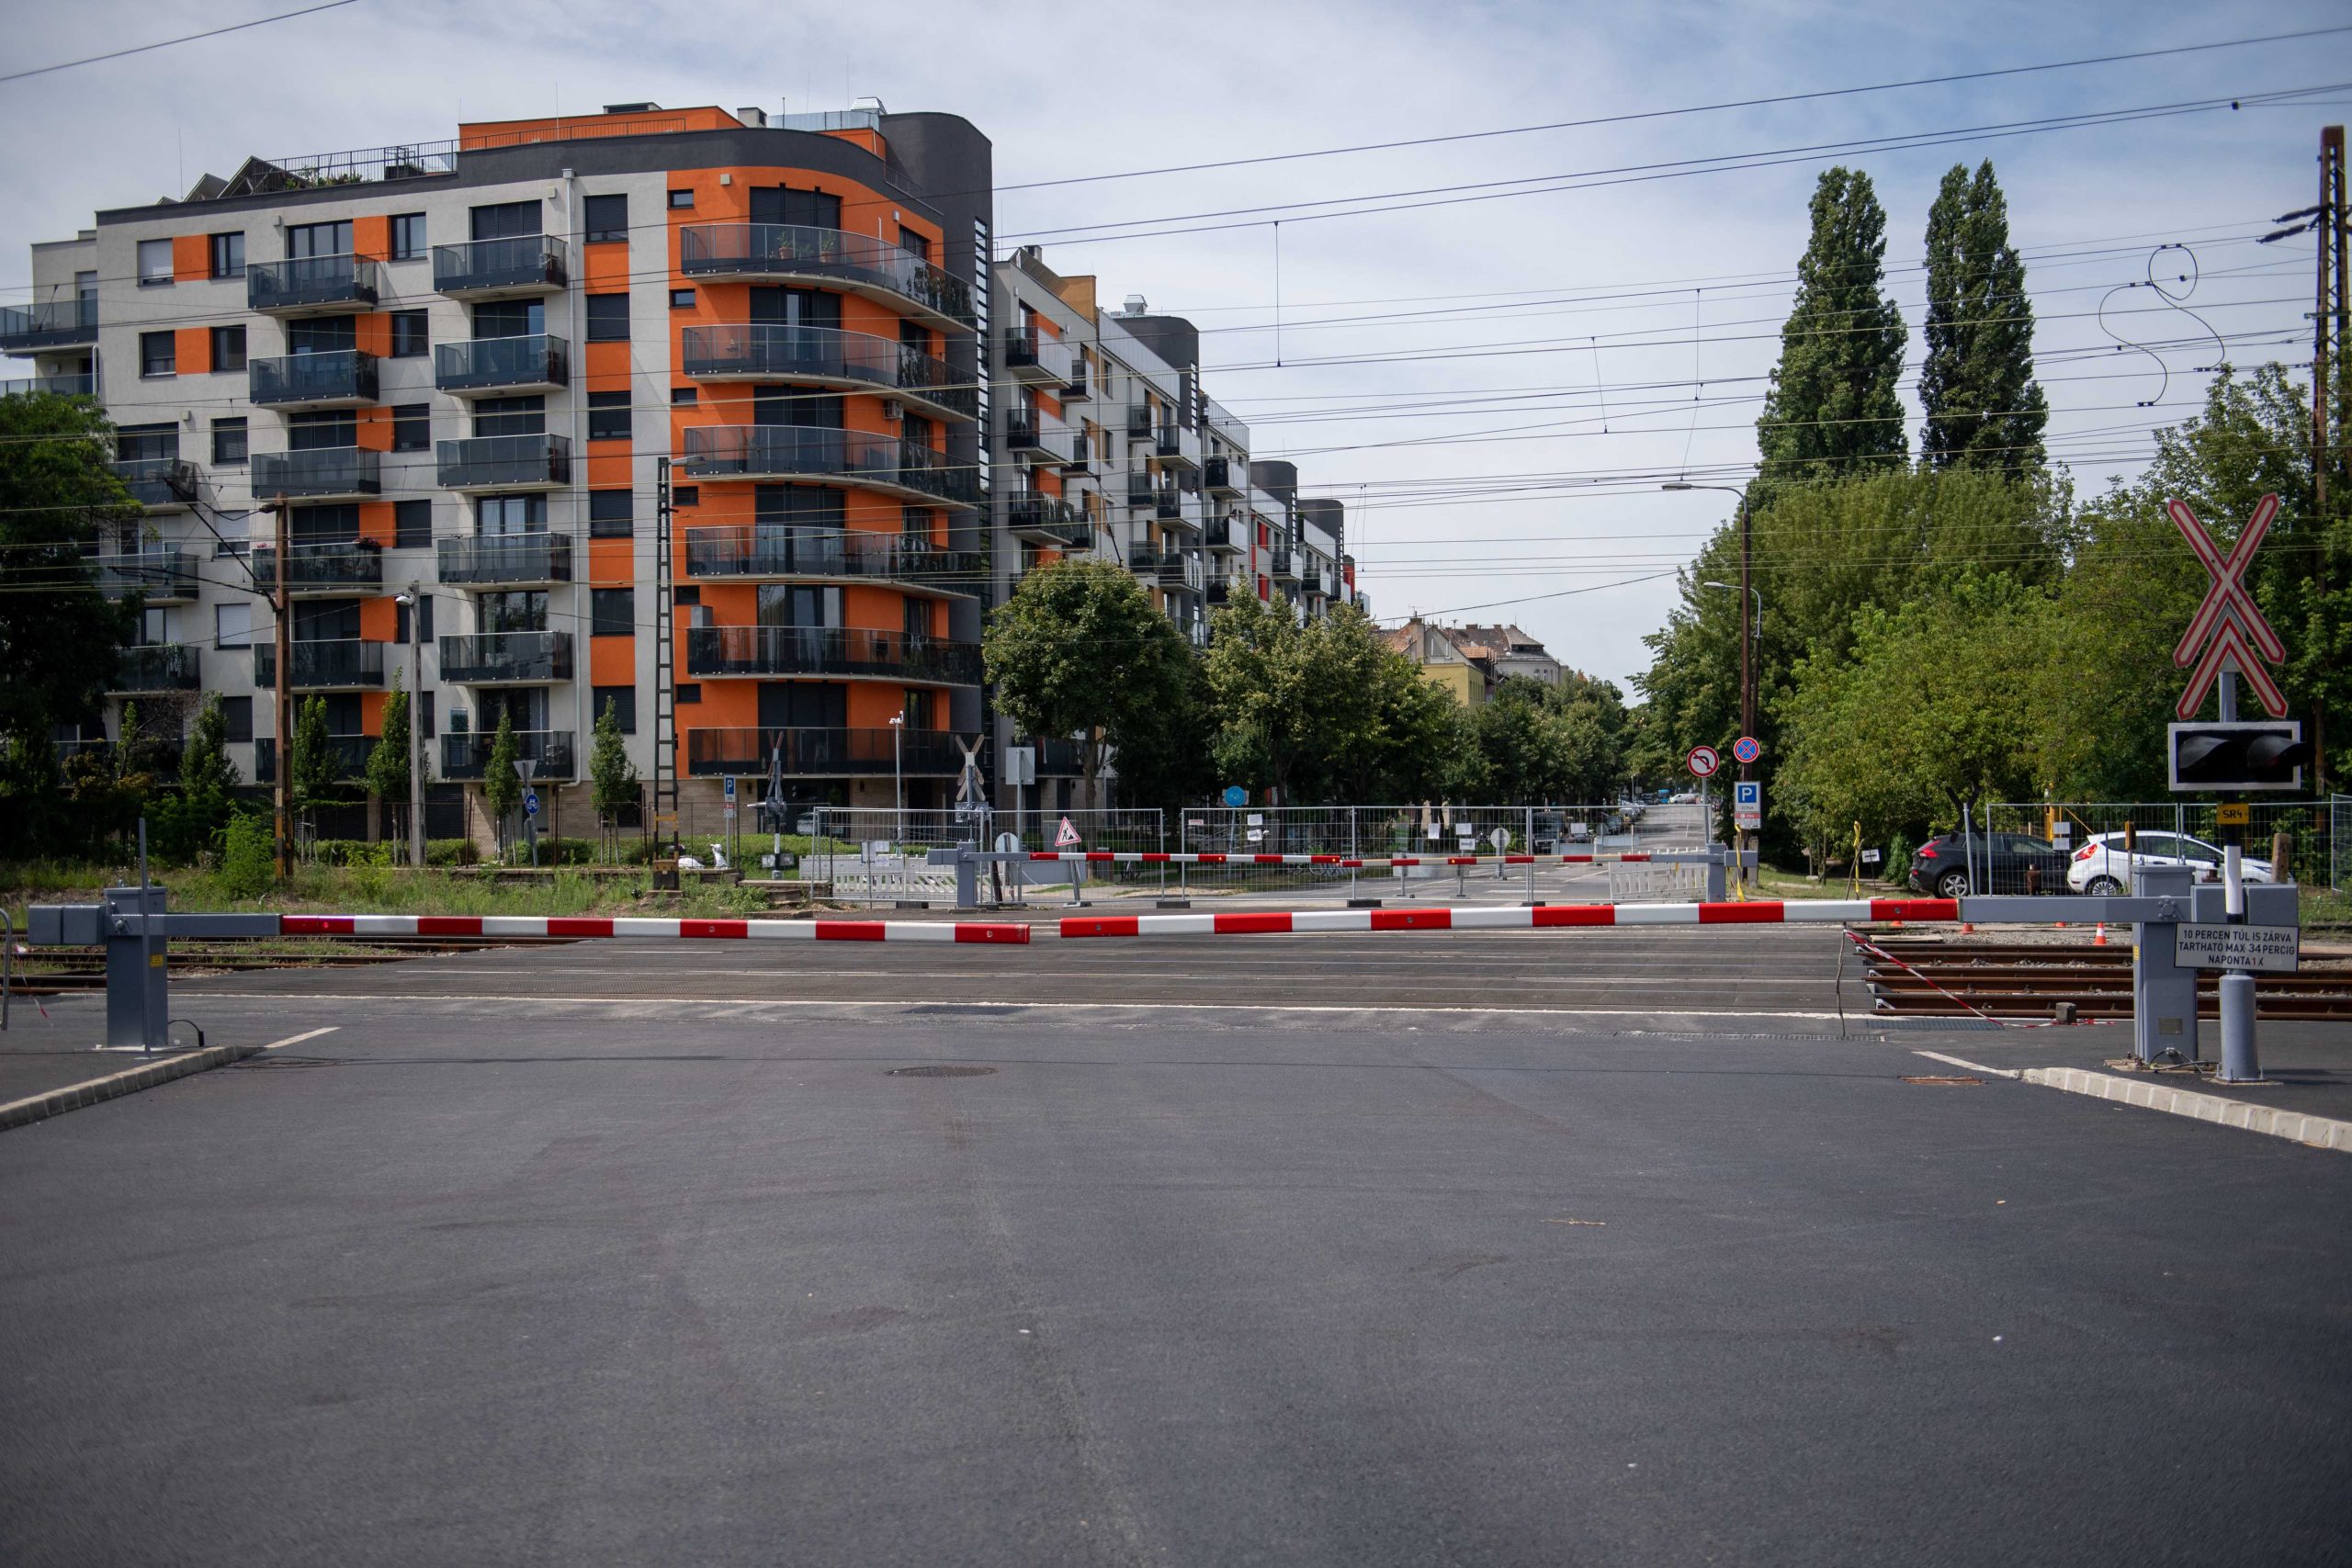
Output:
x=1939 y=866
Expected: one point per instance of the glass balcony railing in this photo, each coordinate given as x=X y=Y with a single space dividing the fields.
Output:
x=488 y=658
x=785 y=451
x=1031 y=355
x=540 y=360
x=773 y=351
x=521 y=264
x=504 y=462
x=1228 y=474
x=344 y=376
x=311 y=283
x=1282 y=566
x=504 y=558
x=835 y=753
x=1168 y=568
x=1216 y=534
x=324 y=665
x=466 y=755
x=53 y=324
x=858 y=261
x=157 y=481
x=166 y=666
x=350 y=752
x=776 y=550
x=1140 y=423
x=157 y=575
x=340 y=566
x=829 y=650
x=1060 y=757
x=319 y=471
x=82 y=386
x=1047 y=520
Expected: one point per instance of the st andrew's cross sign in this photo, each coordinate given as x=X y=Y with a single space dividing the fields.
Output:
x=2240 y=638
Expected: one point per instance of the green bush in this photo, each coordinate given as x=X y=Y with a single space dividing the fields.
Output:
x=452 y=851
x=248 y=867
x=1898 y=860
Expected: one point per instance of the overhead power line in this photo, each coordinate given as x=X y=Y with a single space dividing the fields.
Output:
x=169 y=42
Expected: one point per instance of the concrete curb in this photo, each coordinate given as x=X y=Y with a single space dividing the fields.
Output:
x=2311 y=1132
x=147 y=1075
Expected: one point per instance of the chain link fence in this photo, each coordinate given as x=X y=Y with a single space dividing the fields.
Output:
x=1372 y=832
x=877 y=854
x=2318 y=834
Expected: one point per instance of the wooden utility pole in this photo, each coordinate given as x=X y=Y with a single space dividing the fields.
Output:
x=281 y=601
x=2329 y=398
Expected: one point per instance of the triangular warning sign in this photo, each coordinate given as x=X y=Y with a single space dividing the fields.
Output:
x=1067 y=839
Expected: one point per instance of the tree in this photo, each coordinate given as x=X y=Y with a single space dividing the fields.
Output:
x=1253 y=680
x=611 y=777
x=501 y=786
x=317 y=778
x=58 y=632
x=1078 y=650
x=1541 y=743
x=387 y=762
x=183 y=826
x=1832 y=410
x=204 y=761
x=1984 y=408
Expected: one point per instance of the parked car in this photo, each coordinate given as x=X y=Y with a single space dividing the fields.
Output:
x=1941 y=865
x=2103 y=865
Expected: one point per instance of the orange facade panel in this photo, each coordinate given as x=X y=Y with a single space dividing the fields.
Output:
x=605 y=366
x=372 y=237
x=605 y=269
x=726 y=705
x=374 y=429
x=191 y=258
x=192 y=350
x=871 y=703
x=380 y=619
x=476 y=135
x=612 y=660
x=376 y=521
x=609 y=464
x=372 y=334
x=611 y=562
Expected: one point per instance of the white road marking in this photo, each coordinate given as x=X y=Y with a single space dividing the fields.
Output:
x=298 y=1038
x=1972 y=1066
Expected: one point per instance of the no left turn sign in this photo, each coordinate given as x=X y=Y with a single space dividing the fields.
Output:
x=1703 y=761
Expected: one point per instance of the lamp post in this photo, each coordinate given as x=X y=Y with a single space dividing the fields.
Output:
x=415 y=603
x=898 y=772
x=1750 y=632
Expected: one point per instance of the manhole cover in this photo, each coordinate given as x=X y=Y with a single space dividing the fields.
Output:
x=941 y=1070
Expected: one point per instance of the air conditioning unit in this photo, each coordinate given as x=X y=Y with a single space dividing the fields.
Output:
x=894 y=410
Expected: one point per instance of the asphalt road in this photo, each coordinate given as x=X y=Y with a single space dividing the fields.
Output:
x=623 y=1253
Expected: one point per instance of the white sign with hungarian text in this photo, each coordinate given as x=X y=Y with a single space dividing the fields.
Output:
x=1748 y=805
x=2238 y=947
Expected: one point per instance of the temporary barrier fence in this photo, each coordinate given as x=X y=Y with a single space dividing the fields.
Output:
x=1244 y=834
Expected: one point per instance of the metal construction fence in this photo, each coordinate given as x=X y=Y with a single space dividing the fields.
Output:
x=2306 y=824
x=1373 y=831
x=877 y=853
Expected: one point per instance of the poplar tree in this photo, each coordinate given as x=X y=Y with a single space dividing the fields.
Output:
x=1832 y=410
x=1984 y=408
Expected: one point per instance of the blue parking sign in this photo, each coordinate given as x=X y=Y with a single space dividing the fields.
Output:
x=530 y=803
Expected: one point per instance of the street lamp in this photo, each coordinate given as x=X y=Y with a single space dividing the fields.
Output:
x=1754 y=631
x=413 y=601
x=899 y=772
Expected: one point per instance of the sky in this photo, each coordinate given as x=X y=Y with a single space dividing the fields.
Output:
x=1496 y=387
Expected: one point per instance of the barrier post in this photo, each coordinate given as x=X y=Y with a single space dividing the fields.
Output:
x=2164 y=996
x=138 y=980
x=1716 y=889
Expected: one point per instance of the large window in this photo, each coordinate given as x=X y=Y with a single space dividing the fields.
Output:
x=499 y=515
x=610 y=514
x=318 y=240
x=413 y=427
x=228 y=349
x=408 y=236
x=232 y=623
x=511 y=416
x=611 y=611
x=320 y=430
x=411 y=336
x=510 y=318
x=411 y=524
x=147 y=443
x=229 y=254
x=228 y=442
x=155 y=264
x=607 y=318
x=608 y=416
x=506 y=220
x=239 y=711
x=159 y=353
x=607 y=218
x=622 y=700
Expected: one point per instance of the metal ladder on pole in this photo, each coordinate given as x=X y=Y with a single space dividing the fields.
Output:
x=665 y=661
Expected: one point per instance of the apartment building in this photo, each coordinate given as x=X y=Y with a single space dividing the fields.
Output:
x=1469 y=661
x=464 y=370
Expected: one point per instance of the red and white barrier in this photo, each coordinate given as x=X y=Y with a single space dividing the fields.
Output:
x=1348 y=863
x=1839 y=911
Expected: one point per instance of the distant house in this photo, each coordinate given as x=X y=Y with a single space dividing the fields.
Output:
x=1511 y=652
x=1470 y=662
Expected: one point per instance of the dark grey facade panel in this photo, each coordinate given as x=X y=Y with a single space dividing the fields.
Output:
x=1174 y=339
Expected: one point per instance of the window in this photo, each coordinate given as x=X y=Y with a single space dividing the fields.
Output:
x=413 y=427
x=505 y=515
x=686 y=594
x=681 y=198
x=408 y=236
x=622 y=700
x=685 y=495
x=304 y=239
x=320 y=429
x=610 y=512
x=423 y=622
x=684 y=396
x=228 y=442
x=232 y=625
x=607 y=218
x=228 y=349
x=229 y=254
x=504 y=220
x=411 y=338
x=411 y=524
x=147 y=443
x=155 y=264
x=608 y=416
x=239 y=712
x=915 y=245
x=510 y=318
x=682 y=298
x=611 y=611
x=690 y=692
x=158 y=354
x=511 y=416
x=608 y=318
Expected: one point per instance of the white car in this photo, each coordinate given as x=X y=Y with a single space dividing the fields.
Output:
x=2103 y=866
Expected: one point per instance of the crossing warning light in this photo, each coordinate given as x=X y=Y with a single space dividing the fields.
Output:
x=2258 y=755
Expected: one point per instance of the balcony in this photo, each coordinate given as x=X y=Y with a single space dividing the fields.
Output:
x=159 y=484
x=166 y=666
x=504 y=560
x=1031 y=434
x=828 y=258
x=82 y=386
x=1166 y=569
x=466 y=755
x=161 y=576
x=312 y=285
x=342 y=379
x=1283 y=567
x=338 y=664
x=327 y=569
x=504 y=462
x=827 y=356
x=350 y=752
x=1227 y=476
x=1140 y=423
x=1047 y=520
x=1080 y=461
x=1176 y=444
x=55 y=324
x=539 y=362
x=1168 y=504
x=830 y=650
x=775 y=551
x=507 y=658
x=318 y=473
x=1075 y=388
x=1060 y=757
x=1031 y=355
x=1221 y=590
x=1216 y=534
x=1142 y=490
x=503 y=269
x=903 y=468
x=825 y=753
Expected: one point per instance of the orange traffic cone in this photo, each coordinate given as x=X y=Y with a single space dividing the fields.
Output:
x=2100 y=940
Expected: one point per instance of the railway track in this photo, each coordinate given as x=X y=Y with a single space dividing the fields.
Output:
x=1944 y=980
x=66 y=971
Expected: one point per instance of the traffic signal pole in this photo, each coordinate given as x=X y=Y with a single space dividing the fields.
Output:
x=2240 y=1062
